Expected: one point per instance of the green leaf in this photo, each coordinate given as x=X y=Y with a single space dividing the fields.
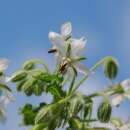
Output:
x=28 y=114
x=54 y=91
x=80 y=59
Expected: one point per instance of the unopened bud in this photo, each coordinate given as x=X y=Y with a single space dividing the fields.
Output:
x=104 y=112
x=111 y=68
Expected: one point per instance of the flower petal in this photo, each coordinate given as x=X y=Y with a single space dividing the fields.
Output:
x=125 y=84
x=81 y=68
x=6 y=99
x=58 y=58
x=66 y=29
x=2 y=80
x=117 y=100
x=78 y=45
x=58 y=42
x=125 y=127
x=127 y=94
x=3 y=64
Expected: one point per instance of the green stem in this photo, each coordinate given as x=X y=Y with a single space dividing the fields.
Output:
x=71 y=85
x=98 y=64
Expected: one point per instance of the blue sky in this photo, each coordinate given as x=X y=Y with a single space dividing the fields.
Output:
x=24 y=27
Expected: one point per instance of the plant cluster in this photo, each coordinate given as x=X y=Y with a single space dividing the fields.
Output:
x=69 y=108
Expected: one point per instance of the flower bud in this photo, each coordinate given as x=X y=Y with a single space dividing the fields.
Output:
x=19 y=85
x=28 y=85
x=37 y=90
x=111 y=68
x=28 y=65
x=104 y=112
x=88 y=109
x=75 y=123
x=18 y=76
x=1 y=73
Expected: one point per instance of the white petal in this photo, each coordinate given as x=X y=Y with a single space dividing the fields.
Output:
x=126 y=84
x=66 y=29
x=3 y=64
x=108 y=125
x=81 y=68
x=2 y=80
x=127 y=94
x=124 y=127
x=7 y=79
x=78 y=45
x=69 y=73
x=58 y=41
x=58 y=58
x=6 y=99
x=117 y=100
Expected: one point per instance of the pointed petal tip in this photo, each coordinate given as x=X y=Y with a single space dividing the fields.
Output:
x=4 y=64
x=125 y=84
x=51 y=35
x=66 y=29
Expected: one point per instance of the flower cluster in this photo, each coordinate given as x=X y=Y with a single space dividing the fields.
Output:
x=69 y=108
x=5 y=96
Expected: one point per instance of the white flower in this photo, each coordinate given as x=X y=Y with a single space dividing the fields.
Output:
x=114 y=124
x=3 y=64
x=60 y=47
x=118 y=124
x=6 y=95
x=4 y=101
x=119 y=98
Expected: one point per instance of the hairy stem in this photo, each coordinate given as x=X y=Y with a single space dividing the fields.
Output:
x=92 y=70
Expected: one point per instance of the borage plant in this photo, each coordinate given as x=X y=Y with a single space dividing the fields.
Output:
x=69 y=108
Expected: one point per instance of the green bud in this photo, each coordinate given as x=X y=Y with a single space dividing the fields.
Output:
x=75 y=123
x=88 y=109
x=29 y=92
x=19 y=85
x=4 y=87
x=37 y=73
x=18 y=76
x=111 y=68
x=1 y=73
x=37 y=90
x=104 y=112
x=28 y=84
x=28 y=65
